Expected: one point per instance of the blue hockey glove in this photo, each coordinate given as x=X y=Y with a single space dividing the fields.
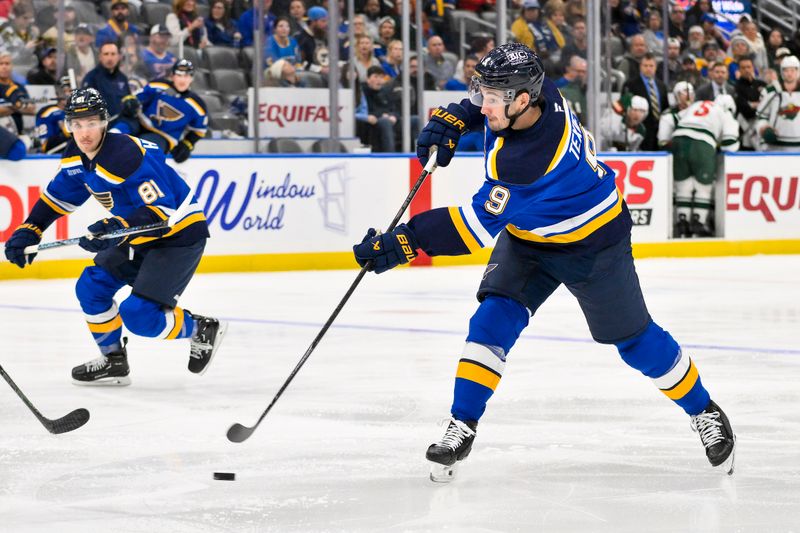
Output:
x=769 y=136
x=25 y=235
x=101 y=227
x=443 y=130
x=182 y=151
x=130 y=106
x=381 y=252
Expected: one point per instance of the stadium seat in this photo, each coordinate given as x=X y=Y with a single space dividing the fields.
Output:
x=328 y=146
x=229 y=82
x=86 y=12
x=200 y=82
x=220 y=57
x=193 y=55
x=284 y=145
x=133 y=12
x=311 y=79
x=214 y=101
x=155 y=13
x=246 y=58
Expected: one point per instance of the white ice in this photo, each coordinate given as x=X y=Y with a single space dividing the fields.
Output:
x=573 y=440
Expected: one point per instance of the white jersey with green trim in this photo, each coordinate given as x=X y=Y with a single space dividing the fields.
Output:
x=779 y=110
x=711 y=123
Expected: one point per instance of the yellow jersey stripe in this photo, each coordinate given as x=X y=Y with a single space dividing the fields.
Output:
x=491 y=159
x=53 y=205
x=197 y=107
x=105 y=327
x=684 y=386
x=562 y=144
x=138 y=143
x=109 y=176
x=463 y=231
x=573 y=236
x=184 y=223
x=158 y=212
x=478 y=374
x=159 y=85
x=176 y=329
x=71 y=161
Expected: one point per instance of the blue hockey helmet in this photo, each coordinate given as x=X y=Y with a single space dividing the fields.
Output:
x=511 y=68
x=184 y=66
x=86 y=102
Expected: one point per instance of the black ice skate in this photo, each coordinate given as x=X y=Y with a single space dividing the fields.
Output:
x=452 y=449
x=717 y=436
x=110 y=369
x=205 y=342
x=681 y=229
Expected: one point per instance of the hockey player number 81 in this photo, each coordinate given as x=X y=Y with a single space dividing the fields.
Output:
x=498 y=198
x=150 y=192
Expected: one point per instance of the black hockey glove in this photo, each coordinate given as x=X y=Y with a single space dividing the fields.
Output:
x=443 y=130
x=102 y=227
x=769 y=136
x=381 y=252
x=182 y=151
x=130 y=106
x=25 y=235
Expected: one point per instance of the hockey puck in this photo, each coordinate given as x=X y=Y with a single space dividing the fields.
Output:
x=225 y=476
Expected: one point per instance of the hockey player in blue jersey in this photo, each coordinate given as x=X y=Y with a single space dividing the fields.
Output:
x=172 y=116
x=130 y=178
x=51 y=127
x=560 y=220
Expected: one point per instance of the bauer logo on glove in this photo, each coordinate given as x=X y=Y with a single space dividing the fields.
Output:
x=379 y=252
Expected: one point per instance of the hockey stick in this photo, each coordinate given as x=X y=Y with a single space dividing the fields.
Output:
x=239 y=433
x=36 y=248
x=66 y=423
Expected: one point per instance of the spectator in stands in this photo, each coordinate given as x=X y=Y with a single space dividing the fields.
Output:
x=695 y=42
x=46 y=15
x=555 y=20
x=677 y=24
x=654 y=35
x=738 y=49
x=775 y=41
x=574 y=90
x=220 y=29
x=622 y=125
x=132 y=65
x=711 y=56
x=245 y=23
x=82 y=57
x=314 y=42
x=522 y=27
x=747 y=94
x=281 y=45
x=654 y=91
x=718 y=83
x=372 y=17
x=186 y=25
x=437 y=64
x=694 y=15
x=387 y=29
x=672 y=63
x=712 y=31
x=578 y=46
x=156 y=58
x=282 y=73
x=481 y=45
x=391 y=62
x=625 y=17
x=364 y=57
x=690 y=73
x=378 y=111
x=575 y=11
x=117 y=25
x=777 y=112
x=45 y=72
x=113 y=86
x=50 y=37
x=637 y=48
x=297 y=16
x=19 y=34
x=461 y=83
x=14 y=102
x=756 y=43
x=428 y=84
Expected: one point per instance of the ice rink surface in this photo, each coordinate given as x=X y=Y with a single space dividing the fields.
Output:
x=573 y=440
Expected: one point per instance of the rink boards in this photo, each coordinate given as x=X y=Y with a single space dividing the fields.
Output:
x=306 y=211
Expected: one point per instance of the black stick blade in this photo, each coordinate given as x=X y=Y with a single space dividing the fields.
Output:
x=68 y=422
x=239 y=433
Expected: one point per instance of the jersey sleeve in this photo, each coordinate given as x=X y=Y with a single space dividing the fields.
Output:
x=198 y=124
x=65 y=193
x=767 y=109
x=666 y=127
x=146 y=95
x=729 y=139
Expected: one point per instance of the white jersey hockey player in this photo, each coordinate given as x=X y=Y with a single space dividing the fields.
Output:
x=702 y=127
x=684 y=96
x=777 y=120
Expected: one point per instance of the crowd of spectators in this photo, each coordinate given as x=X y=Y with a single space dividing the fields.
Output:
x=153 y=35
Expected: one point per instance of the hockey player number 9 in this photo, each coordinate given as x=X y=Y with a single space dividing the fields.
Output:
x=150 y=192
x=498 y=198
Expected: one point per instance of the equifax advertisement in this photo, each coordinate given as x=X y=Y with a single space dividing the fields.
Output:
x=298 y=113
x=762 y=197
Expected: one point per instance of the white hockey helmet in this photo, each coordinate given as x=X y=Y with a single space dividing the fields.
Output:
x=726 y=102
x=683 y=88
x=790 y=62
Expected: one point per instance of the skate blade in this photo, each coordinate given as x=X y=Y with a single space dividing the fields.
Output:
x=223 y=328
x=443 y=473
x=105 y=382
x=728 y=464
